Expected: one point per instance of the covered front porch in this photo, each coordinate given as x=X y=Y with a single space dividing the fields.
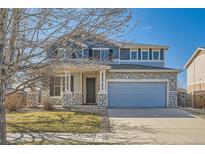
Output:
x=73 y=86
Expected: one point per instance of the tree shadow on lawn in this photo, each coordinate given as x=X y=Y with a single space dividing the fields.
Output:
x=61 y=124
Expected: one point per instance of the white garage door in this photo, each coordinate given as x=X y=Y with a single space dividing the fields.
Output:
x=137 y=94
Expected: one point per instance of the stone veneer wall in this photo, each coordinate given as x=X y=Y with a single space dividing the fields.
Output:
x=33 y=98
x=102 y=99
x=170 y=76
x=67 y=100
x=71 y=99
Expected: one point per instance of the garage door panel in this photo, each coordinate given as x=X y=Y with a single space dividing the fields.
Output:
x=133 y=94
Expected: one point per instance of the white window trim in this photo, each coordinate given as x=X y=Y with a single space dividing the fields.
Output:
x=125 y=59
x=131 y=55
x=101 y=49
x=61 y=86
x=137 y=60
x=142 y=55
x=158 y=55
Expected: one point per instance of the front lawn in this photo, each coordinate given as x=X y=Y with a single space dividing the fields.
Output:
x=61 y=122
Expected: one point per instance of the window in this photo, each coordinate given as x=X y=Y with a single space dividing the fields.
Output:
x=60 y=52
x=55 y=86
x=134 y=55
x=79 y=53
x=161 y=54
x=85 y=53
x=104 y=54
x=115 y=54
x=155 y=55
x=96 y=54
x=124 y=54
x=144 y=55
x=52 y=51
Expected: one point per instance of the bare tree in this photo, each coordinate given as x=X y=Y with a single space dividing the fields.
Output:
x=27 y=34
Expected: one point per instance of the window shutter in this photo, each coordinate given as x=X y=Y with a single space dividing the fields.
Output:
x=110 y=54
x=51 y=86
x=90 y=54
x=150 y=54
x=161 y=54
x=139 y=54
x=72 y=83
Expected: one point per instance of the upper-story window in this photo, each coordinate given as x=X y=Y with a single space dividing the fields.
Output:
x=141 y=55
x=102 y=54
x=124 y=54
x=96 y=54
x=155 y=55
x=133 y=55
x=144 y=55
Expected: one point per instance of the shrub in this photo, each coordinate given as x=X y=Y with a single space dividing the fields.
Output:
x=15 y=101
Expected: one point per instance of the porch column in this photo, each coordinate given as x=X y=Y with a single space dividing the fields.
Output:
x=102 y=94
x=102 y=81
x=67 y=82
x=68 y=97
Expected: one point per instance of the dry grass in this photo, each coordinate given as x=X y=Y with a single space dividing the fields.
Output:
x=61 y=122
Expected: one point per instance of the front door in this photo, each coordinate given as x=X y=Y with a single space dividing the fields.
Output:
x=90 y=90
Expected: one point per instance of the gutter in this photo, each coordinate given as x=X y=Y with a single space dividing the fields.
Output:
x=146 y=70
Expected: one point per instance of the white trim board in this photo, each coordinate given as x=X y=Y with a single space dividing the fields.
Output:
x=141 y=80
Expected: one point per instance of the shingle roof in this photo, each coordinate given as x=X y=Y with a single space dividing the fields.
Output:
x=138 y=45
x=140 y=67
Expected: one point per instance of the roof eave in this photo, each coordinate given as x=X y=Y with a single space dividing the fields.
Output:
x=143 y=46
x=146 y=70
x=192 y=57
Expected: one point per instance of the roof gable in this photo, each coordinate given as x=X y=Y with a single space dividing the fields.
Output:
x=194 y=55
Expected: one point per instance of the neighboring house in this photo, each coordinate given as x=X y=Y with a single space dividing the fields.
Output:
x=183 y=98
x=113 y=75
x=196 y=77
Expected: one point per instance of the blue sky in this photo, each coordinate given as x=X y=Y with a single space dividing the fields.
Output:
x=183 y=30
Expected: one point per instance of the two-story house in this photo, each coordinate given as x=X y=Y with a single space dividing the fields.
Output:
x=196 y=77
x=113 y=75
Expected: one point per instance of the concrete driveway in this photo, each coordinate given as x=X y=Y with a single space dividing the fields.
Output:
x=155 y=126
